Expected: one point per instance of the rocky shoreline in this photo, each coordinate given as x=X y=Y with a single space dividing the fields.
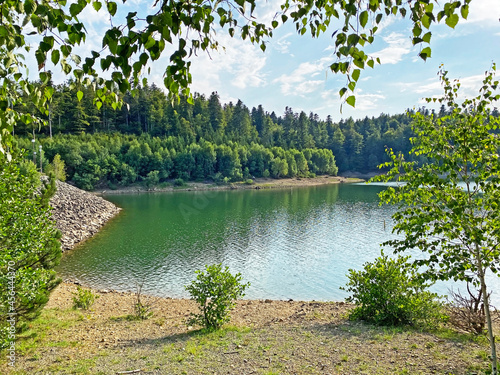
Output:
x=79 y=214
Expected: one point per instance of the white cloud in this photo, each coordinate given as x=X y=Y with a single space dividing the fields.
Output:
x=240 y=65
x=365 y=102
x=308 y=87
x=399 y=46
x=432 y=88
x=282 y=44
x=486 y=12
x=266 y=10
x=299 y=82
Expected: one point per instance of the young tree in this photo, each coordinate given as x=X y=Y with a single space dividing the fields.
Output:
x=449 y=206
x=29 y=249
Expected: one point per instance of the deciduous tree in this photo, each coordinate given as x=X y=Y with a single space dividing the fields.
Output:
x=448 y=207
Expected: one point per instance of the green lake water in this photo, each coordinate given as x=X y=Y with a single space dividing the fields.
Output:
x=289 y=243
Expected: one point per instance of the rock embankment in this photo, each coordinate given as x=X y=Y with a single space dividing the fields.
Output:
x=79 y=214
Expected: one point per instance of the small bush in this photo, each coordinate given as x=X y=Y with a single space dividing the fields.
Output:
x=142 y=310
x=467 y=312
x=83 y=298
x=179 y=182
x=249 y=182
x=215 y=291
x=390 y=292
x=152 y=179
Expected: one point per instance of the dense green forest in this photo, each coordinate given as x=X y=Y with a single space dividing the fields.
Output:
x=150 y=139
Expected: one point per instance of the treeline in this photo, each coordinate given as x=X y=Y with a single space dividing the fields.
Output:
x=358 y=145
x=109 y=159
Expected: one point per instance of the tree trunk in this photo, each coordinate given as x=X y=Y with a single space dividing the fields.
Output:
x=486 y=300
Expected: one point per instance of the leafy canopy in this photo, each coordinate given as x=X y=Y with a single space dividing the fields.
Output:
x=131 y=44
x=449 y=206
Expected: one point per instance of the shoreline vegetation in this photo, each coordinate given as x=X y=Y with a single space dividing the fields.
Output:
x=263 y=337
x=257 y=184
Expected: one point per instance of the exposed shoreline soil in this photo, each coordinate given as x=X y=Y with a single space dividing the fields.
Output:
x=259 y=183
x=264 y=337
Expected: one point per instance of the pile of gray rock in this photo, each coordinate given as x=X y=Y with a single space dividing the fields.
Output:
x=79 y=214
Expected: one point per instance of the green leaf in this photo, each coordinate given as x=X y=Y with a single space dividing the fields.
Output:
x=355 y=74
x=417 y=30
x=79 y=95
x=353 y=39
x=342 y=91
x=464 y=11
x=351 y=100
x=427 y=37
x=97 y=6
x=49 y=92
x=75 y=9
x=111 y=7
x=29 y=7
x=452 y=20
x=426 y=21
x=66 y=50
x=425 y=53
x=363 y=18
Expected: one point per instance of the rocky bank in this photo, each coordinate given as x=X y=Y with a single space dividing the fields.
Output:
x=79 y=214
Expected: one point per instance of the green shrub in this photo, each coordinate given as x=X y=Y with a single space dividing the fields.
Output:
x=29 y=249
x=215 y=291
x=83 y=298
x=391 y=292
x=249 y=182
x=179 y=182
x=152 y=179
x=29 y=170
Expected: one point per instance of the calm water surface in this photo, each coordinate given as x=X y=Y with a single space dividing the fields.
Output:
x=289 y=243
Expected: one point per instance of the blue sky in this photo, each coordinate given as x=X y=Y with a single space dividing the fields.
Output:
x=293 y=71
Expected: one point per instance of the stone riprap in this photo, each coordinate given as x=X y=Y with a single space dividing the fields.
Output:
x=79 y=214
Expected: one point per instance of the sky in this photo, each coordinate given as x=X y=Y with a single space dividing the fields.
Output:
x=294 y=70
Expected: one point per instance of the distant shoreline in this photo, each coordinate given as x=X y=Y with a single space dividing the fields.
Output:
x=258 y=184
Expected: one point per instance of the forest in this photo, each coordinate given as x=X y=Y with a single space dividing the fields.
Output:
x=151 y=139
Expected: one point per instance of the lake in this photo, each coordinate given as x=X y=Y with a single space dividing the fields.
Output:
x=288 y=243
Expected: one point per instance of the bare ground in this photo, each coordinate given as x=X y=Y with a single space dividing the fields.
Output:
x=259 y=183
x=264 y=337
